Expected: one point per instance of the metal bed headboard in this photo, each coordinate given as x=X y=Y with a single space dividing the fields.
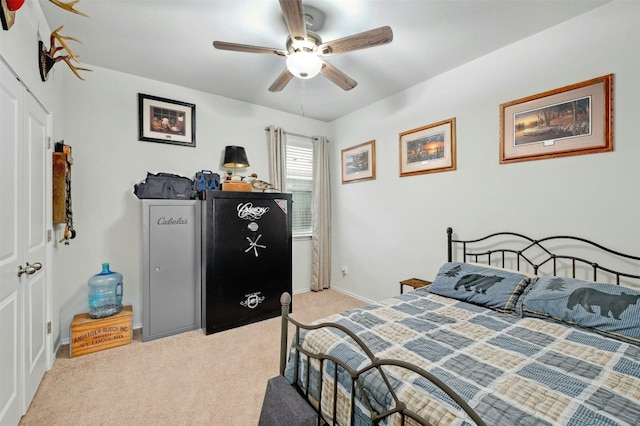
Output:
x=535 y=253
x=503 y=249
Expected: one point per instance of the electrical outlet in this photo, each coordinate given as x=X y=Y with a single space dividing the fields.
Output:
x=344 y=270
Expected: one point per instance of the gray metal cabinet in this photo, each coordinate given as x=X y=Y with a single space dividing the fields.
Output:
x=171 y=253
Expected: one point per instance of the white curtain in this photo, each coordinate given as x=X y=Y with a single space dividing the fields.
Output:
x=277 y=149
x=321 y=235
x=321 y=232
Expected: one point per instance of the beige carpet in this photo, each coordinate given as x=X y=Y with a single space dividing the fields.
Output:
x=186 y=379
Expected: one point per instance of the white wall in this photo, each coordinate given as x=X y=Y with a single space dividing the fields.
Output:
x=18 y=49
x=98 y=117
x=23 y=36
x=101 y=124
x=384 y=230
x=393 y=228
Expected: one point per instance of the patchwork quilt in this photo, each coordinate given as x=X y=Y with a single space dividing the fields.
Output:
x=510 y=370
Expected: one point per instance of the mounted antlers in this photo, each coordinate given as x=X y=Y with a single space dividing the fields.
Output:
x=48 y=58
x=68 y=6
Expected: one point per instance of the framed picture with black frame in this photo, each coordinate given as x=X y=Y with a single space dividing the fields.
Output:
x=166 y=121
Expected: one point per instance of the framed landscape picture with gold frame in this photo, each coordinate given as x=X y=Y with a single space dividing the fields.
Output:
x=428 y=149
x=359 y=162
x=571 y=120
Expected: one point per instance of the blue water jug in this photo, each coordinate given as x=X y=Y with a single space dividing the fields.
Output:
x=105 y=293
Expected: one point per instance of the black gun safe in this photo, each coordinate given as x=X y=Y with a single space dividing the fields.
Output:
x=246 y=257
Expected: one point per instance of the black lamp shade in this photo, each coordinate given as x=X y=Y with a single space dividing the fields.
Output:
x=234 y=156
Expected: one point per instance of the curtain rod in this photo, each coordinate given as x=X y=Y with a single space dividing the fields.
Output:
x=296 y=134
x=299 y=135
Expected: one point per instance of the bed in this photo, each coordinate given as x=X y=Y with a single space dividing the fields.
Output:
x=512 y=331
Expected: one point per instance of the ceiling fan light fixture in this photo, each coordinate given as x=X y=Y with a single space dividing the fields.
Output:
x=303 y=64
x=304 y=47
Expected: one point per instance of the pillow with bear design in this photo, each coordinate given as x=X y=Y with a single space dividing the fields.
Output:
x=608 y=309
x=486 y=286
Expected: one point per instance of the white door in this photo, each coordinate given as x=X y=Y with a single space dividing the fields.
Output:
x=23 y=135
x=34 y=209
x=11 y=293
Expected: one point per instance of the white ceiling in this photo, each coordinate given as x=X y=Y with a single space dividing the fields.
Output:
x=171 y=41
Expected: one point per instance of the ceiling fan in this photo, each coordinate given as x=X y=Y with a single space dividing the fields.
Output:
x=304 y=48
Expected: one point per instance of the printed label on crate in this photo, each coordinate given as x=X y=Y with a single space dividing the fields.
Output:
x=101 y=336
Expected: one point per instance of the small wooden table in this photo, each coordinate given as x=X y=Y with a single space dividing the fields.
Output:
x=413 y=282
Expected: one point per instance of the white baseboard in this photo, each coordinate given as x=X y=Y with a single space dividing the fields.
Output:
x=355 y=296
x=139 y=325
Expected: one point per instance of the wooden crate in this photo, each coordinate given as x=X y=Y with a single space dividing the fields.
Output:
x=236 y=186
x=90 y=335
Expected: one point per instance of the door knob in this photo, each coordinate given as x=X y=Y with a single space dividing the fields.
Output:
x=29 y=269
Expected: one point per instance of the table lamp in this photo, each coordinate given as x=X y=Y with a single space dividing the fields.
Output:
x=234 y=156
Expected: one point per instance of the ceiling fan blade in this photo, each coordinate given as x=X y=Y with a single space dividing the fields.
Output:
x=371 y=38
x=294 y=17
x=223 y=45
x=281 y=81
x=338 y=77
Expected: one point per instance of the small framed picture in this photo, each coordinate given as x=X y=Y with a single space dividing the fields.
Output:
x=571 y=120
x=428 y=149
x=166 y=121
x=359 y=162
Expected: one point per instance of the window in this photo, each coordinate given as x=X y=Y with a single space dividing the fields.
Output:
x=299 y=166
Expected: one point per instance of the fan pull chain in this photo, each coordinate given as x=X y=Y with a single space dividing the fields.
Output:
x=304 y=86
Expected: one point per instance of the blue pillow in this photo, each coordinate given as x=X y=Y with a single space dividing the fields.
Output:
x=494 y=288
x=608 y=309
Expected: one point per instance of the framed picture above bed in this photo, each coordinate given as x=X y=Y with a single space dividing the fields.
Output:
x=359 y=162
x=166 y=121
x=428 y=149
x=571 y=120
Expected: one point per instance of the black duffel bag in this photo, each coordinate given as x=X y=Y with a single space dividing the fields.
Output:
x=165 y=186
